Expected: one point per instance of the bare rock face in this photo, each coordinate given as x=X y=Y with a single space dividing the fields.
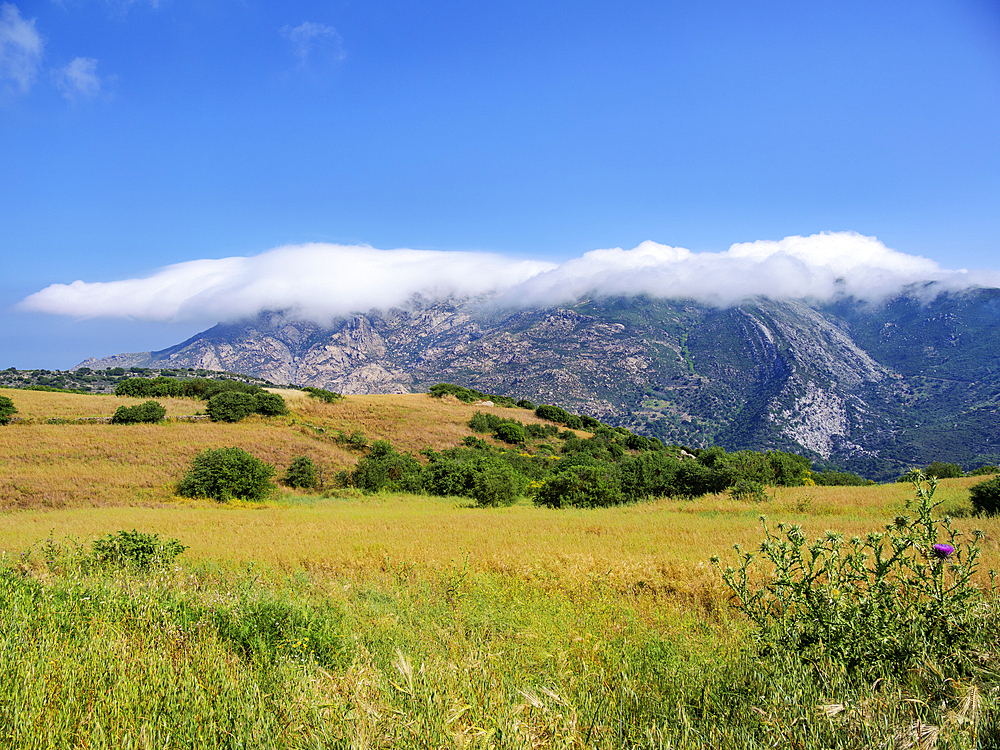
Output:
x=859 y=386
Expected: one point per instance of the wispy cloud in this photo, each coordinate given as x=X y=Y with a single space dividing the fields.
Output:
x=320 y=281
x=821 y=266
x=317 y=281
x=311 y=39
x=20 y=50
x=79 y=79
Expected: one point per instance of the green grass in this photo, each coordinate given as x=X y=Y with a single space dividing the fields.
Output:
x=394 y=621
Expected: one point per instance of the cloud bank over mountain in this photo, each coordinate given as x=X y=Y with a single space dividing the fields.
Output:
x=322 y=281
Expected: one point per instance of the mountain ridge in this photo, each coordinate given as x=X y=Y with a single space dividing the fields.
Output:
x=869 y=388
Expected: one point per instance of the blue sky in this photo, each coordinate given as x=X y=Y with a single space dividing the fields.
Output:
x=135 y=135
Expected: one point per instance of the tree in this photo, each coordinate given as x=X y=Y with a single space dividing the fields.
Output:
x=7 y=410
x=227 y=473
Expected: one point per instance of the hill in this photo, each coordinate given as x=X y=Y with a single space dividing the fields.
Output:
x=873 y=389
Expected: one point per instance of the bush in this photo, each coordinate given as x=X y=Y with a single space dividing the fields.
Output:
x=650 y=474
x=839 y=479
x=985 y=470
x=582 y=486
x=535 y=430
x=509 y=432
x=748 y=490
x=986 y=496
x=553 y=414
x=136 y=550
x=494 y=483
x=886 y=602
x=327 y=397
x=227 y=473
x=270 y=405
x=484 y=422
x=147 y=412
x=943 y=470
x=466 y=395
x=384 y=468
x=7 y=410
x=231 y=406
x=525 y=404
x=301 y=474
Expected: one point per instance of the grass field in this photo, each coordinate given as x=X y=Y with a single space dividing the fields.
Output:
x=412 y=621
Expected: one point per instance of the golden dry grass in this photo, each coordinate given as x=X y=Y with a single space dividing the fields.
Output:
x=411 y=421
x=41 y=405
x=64 y=465
x=58 y=465
x=659 y=546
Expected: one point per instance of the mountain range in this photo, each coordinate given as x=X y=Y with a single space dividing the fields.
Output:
x=875 y=389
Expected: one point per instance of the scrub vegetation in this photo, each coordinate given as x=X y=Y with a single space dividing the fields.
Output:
x=327 y=616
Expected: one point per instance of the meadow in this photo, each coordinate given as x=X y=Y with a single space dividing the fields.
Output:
x=347 y=620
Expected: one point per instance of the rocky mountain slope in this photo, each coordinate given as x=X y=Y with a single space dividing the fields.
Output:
x=872 y=389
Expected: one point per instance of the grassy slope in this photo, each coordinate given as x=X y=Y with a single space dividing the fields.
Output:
x=68 y=465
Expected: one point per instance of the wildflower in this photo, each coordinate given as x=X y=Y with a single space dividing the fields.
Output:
x=942 y=551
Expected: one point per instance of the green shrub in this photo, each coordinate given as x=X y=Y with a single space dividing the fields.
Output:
x=147 y=412
x=552 y=413
x=449 y=475
x=227 y=473
x=943 y=470
x=494 y=483
x=985 y=470
x=7 y=410
x=134 y=549
x=384 y=468
x=231 y=406
x=582 y=486
x=839 y=479
x=886 y=602
x=525 y=404
x=748 y=490
x=160 y=387
x=535 y=430
x=270 y=405
x=467 y=395
x=986 y=496
x=484 y=422
x=301 y=474
x=327 y=397
x=508 y=432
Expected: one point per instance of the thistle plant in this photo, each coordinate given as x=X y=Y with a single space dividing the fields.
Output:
x=883 y=601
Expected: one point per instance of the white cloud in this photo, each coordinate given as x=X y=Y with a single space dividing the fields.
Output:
x=20 y=50
x=309 y=38
x=821 y=266
x=79 y=79
x=321 y=281
x=316 y=281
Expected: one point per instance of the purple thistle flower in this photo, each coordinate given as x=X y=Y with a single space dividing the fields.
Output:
x=943 y=550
